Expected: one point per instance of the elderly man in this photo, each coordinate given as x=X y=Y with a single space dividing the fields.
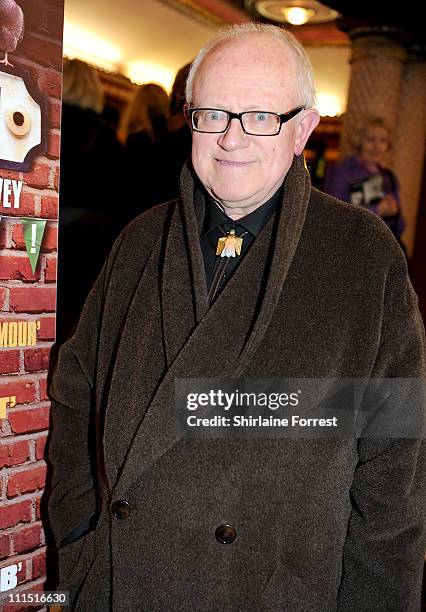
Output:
x=250 y=273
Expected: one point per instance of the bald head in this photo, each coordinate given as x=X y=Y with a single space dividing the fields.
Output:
x=257 y=62
x=304 y=79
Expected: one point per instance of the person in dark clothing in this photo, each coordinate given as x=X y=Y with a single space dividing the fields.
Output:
x=177 y=145
x=158 y=141
x=143 y=127
x=91 y=167
x=149 y=516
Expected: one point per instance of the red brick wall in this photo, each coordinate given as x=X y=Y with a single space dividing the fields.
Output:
x=25 y=296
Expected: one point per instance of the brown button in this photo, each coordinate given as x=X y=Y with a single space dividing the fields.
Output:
x=121 y=509
x=225 y=534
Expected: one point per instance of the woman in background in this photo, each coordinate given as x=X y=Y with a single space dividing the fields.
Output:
x=364 y=179
x=91 y=211
x=145 y=119
x=143 y=128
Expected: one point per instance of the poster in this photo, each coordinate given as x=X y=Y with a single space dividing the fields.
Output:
x=30 y=112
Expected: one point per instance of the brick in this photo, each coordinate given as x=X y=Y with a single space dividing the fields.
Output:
x=50 y=270
x=13 y=514
x=50 y=82
x=47 y=328
x=4 y=546
x=33 y=419
x=50 y=207
x=39 y=176
x=36 y=359
x=3 y=234
x=26 y=205
x=43 y=389
x=27 y=538
x=26 y=481
x=50 y=238
x=14 y=453
x=41 y=50
x=3 y=296
x=22 y=573
x=38 y=507
x=39 y=566
x=18 y=237
x=9 y=362
x=23 y=390
x=55 y=114
x=40 y=447
x=10 y=174
x=33 y=299
x=53 y=145
x=43 y=20
x=56 y=181
x=14 y=267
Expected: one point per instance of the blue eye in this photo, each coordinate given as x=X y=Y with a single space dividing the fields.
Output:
x=261 y=117
x=214 y=116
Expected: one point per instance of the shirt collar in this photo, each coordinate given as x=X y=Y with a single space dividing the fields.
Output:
x=253 y=222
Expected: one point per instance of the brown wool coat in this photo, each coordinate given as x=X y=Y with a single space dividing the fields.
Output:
x=322 y=525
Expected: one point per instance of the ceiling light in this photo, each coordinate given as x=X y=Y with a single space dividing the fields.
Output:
x=146 y=72
x=88 y=47
x=296 y=12
x=296 y=15
x=328 y=105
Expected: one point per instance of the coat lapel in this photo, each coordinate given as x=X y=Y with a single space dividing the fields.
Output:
x=217 y=342
x=184 y=300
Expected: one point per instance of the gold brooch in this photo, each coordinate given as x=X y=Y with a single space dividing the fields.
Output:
x=230 y=245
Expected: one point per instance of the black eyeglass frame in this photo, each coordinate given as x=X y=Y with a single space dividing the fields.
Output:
x=284 y=117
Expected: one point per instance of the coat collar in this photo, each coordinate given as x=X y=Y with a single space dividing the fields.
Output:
x=220 y=341
x=253 y=222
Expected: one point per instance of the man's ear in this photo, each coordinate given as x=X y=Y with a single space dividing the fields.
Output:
x=186 y=114
x=304 y=129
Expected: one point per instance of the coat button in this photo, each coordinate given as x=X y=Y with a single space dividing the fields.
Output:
x=225 y=534
x=121 y=509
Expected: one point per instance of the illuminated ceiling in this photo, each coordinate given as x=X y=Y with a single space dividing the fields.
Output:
x=150 y=40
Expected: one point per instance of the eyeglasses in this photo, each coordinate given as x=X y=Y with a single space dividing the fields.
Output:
x=255 y=123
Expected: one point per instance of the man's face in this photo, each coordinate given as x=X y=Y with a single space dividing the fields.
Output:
x=255 y=73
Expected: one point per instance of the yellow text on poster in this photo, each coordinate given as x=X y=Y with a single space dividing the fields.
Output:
x=18 y=333
x=4 y=403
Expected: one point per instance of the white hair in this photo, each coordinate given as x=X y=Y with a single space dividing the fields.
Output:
x=305 y=77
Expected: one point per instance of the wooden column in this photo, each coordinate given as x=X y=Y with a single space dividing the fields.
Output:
x=409 y=141
x=377 y=64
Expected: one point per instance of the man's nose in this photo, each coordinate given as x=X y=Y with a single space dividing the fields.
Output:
x=234 y=136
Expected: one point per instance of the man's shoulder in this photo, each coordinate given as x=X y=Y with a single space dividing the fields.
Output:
x=150 y=224
x=353 y=226
x=137 y=240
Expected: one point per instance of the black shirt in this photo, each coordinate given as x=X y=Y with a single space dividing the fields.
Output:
x=216 y=225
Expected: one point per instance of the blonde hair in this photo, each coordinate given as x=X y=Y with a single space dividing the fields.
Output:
x=82 y=86
x=370 y=121
x=148 y=112
x=304 y=72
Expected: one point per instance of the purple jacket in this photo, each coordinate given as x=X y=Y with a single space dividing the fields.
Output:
x=338 y=182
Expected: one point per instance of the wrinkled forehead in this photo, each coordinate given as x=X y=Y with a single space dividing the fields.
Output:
x=260 y=58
